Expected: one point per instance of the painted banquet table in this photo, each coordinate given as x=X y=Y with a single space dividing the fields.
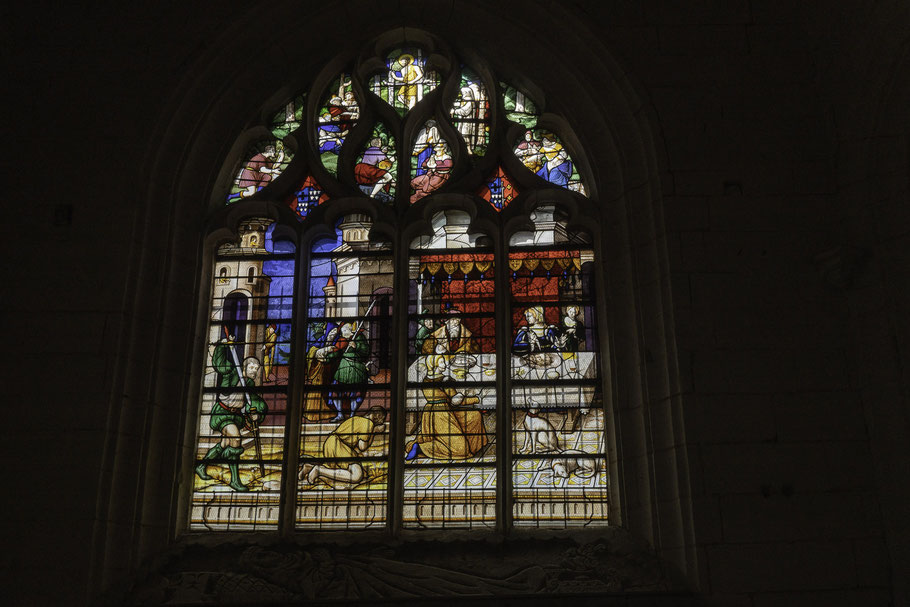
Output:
x=540 y=379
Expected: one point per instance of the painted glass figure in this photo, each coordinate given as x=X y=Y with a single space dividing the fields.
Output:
x=264 y=162
x=559 y=465
x=407 y=80
x=431 y=162
x=339 y=113
x=450 y=472
x=241 y=429
x=543 y=154
x=471 y=113
x=342 y=478
x=377 y=166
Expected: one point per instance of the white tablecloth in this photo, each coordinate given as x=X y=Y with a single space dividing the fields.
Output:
x=555 y=368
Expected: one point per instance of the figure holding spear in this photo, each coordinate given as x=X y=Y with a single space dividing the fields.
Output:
x=350 y=350
x=234 y=409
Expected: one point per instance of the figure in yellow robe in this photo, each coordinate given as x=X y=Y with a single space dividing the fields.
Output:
x=447 y=431
x=268 y=351
x=409 y=76
x=349 y=440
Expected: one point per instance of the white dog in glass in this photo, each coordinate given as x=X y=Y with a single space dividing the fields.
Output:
x=540 y=435
x=572 y=461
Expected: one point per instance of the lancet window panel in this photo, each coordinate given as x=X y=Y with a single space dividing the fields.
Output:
x=346 y=406
x=450 y=450
x=240 y=446
x=559 y=473
x=473 y=398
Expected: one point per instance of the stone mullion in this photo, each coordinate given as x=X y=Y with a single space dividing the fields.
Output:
x=503 y=388
x=398 y=381
x=295 y=391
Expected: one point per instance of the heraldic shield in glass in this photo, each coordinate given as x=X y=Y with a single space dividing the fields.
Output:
x=559 y=476
x=240 y=444
x=450 y=463
x=344 y=432
x=498 y=190
x=306 y=197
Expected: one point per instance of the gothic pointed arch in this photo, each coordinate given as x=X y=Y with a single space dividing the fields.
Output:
x=447 y=157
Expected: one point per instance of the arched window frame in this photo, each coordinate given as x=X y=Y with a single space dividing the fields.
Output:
x=403 y=221
x=140 y=513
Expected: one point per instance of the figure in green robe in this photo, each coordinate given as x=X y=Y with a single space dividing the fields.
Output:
x=349 y=350
x=424 y=330
x=232 y=411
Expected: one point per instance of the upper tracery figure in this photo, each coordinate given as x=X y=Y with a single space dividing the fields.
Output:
x=464 y=140
x=407 y=80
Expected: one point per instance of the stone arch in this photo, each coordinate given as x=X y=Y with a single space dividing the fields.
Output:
x=140 y=514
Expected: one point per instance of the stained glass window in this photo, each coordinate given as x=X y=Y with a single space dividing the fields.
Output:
x=264 y=162
x=453 y=384
x=339 y=113
x=240 y=449
x=544 y=155
x=406 y=80
x=346 y=404
x=559 y=467
x=450 y=451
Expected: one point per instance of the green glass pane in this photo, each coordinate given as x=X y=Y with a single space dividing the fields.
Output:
x=519 y=107
x=289 y=118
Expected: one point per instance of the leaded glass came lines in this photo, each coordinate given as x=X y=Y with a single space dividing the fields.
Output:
x=473 y=399
x=344 y=445
x=240 y=448
x=559 y=460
